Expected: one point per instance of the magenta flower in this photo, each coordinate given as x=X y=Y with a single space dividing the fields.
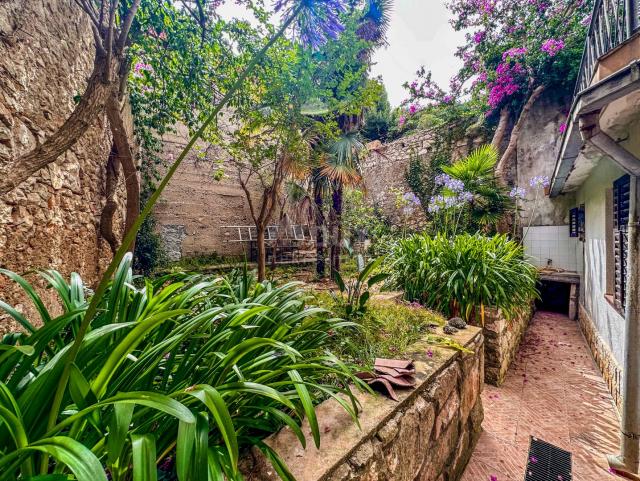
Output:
x=514 y=52
x=430 y=353
x=552 y=46
x=402 y=120
x=478 y=37
x=563 y=127
x=493 y=477
x=413 y=108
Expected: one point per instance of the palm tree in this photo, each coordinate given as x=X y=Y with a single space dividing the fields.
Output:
x=342 y=169
x=339 y=166
x=490 y=198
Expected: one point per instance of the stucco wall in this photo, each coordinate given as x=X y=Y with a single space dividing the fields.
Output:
x=51 y=220
x=195 y=206
x=538 y=147
x=608 y=323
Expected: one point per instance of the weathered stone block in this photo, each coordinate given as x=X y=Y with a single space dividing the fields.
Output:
x=421 y=437
x=449 y=412
x=443 y=385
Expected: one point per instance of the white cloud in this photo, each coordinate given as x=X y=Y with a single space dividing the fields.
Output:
x=420 y=34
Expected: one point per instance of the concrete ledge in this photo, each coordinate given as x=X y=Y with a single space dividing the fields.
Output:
x=502 y=340
x=428 y=435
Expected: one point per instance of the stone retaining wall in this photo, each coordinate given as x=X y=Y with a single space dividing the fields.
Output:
x=502 y=340
x=428 y=435
x=602 y=355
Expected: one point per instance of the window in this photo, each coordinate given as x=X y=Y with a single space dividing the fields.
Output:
x=573 y=222
x=576 y=223
x=621 y=189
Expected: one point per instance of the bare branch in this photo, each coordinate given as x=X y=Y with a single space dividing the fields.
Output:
x=126 y=26
x=89 y=10
x=113 y=6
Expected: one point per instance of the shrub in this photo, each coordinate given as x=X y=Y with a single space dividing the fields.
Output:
x=387 y=329
x=462 y=275
x=183 y=372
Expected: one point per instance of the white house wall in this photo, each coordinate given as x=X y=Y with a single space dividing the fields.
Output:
x=606 y=320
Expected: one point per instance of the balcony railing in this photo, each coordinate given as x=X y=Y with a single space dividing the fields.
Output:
x=612 y=23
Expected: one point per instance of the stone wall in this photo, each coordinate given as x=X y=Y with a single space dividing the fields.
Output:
x=194 y=208
x=385 y=167
x=50 y=220
x=428 y=436
x=602 y=355
x=384 y=172
x=502 y=340
x=537 y=151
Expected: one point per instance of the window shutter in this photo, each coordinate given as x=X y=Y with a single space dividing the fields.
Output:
x=621 y=190
x=573 y=222
x=581 y=223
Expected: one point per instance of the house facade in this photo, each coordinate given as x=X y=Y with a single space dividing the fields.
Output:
x=597 y=172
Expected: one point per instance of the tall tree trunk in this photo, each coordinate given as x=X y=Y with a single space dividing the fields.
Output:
x=112 y=172
x=336 y=243
x=88 y=109
x=262 y=257
x=502 y=165
x=319 y=218
x=123 y=143
x=501 y=129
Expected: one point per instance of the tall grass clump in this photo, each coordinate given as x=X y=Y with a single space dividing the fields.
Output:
x=464 y=274
x=175 y=377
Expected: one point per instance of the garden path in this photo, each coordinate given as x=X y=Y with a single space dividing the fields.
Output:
x=553 y=391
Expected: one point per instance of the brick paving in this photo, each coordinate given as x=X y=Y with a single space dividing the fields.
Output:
x=553 y=391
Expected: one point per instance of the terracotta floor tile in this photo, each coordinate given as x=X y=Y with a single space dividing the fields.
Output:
x=555 y=392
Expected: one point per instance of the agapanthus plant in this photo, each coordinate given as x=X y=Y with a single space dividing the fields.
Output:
x=318 y=22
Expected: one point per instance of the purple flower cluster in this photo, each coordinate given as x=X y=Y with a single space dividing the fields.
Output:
x=447 y=182
x=506 y=83
x=318 y=20
x=518 y=193
x=513 y=53
x=411 y=198
x=478 y=37
x=539 y=181
x=552 y=46
x=141 y=67
x=563 y=127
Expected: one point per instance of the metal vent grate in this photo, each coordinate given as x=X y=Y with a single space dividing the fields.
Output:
x=547 y=462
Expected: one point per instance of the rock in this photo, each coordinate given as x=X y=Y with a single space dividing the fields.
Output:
x=449 y=330
x=457 y=322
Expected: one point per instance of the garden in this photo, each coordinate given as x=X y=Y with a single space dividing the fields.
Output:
x=164 y=370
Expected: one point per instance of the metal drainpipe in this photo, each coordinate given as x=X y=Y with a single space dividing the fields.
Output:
x=629 y=459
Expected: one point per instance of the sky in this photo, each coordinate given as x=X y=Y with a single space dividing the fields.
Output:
x=420 y=34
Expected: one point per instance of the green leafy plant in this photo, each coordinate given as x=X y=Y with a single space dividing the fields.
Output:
x=181 y=373
x=490 y=198
x=464 y=274
x=356 y=291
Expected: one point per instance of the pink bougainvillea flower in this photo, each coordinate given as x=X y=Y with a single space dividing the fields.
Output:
x=430 y=353
x=552 y=46
x=514 y=52
x=493 y=477
x=563 y=127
